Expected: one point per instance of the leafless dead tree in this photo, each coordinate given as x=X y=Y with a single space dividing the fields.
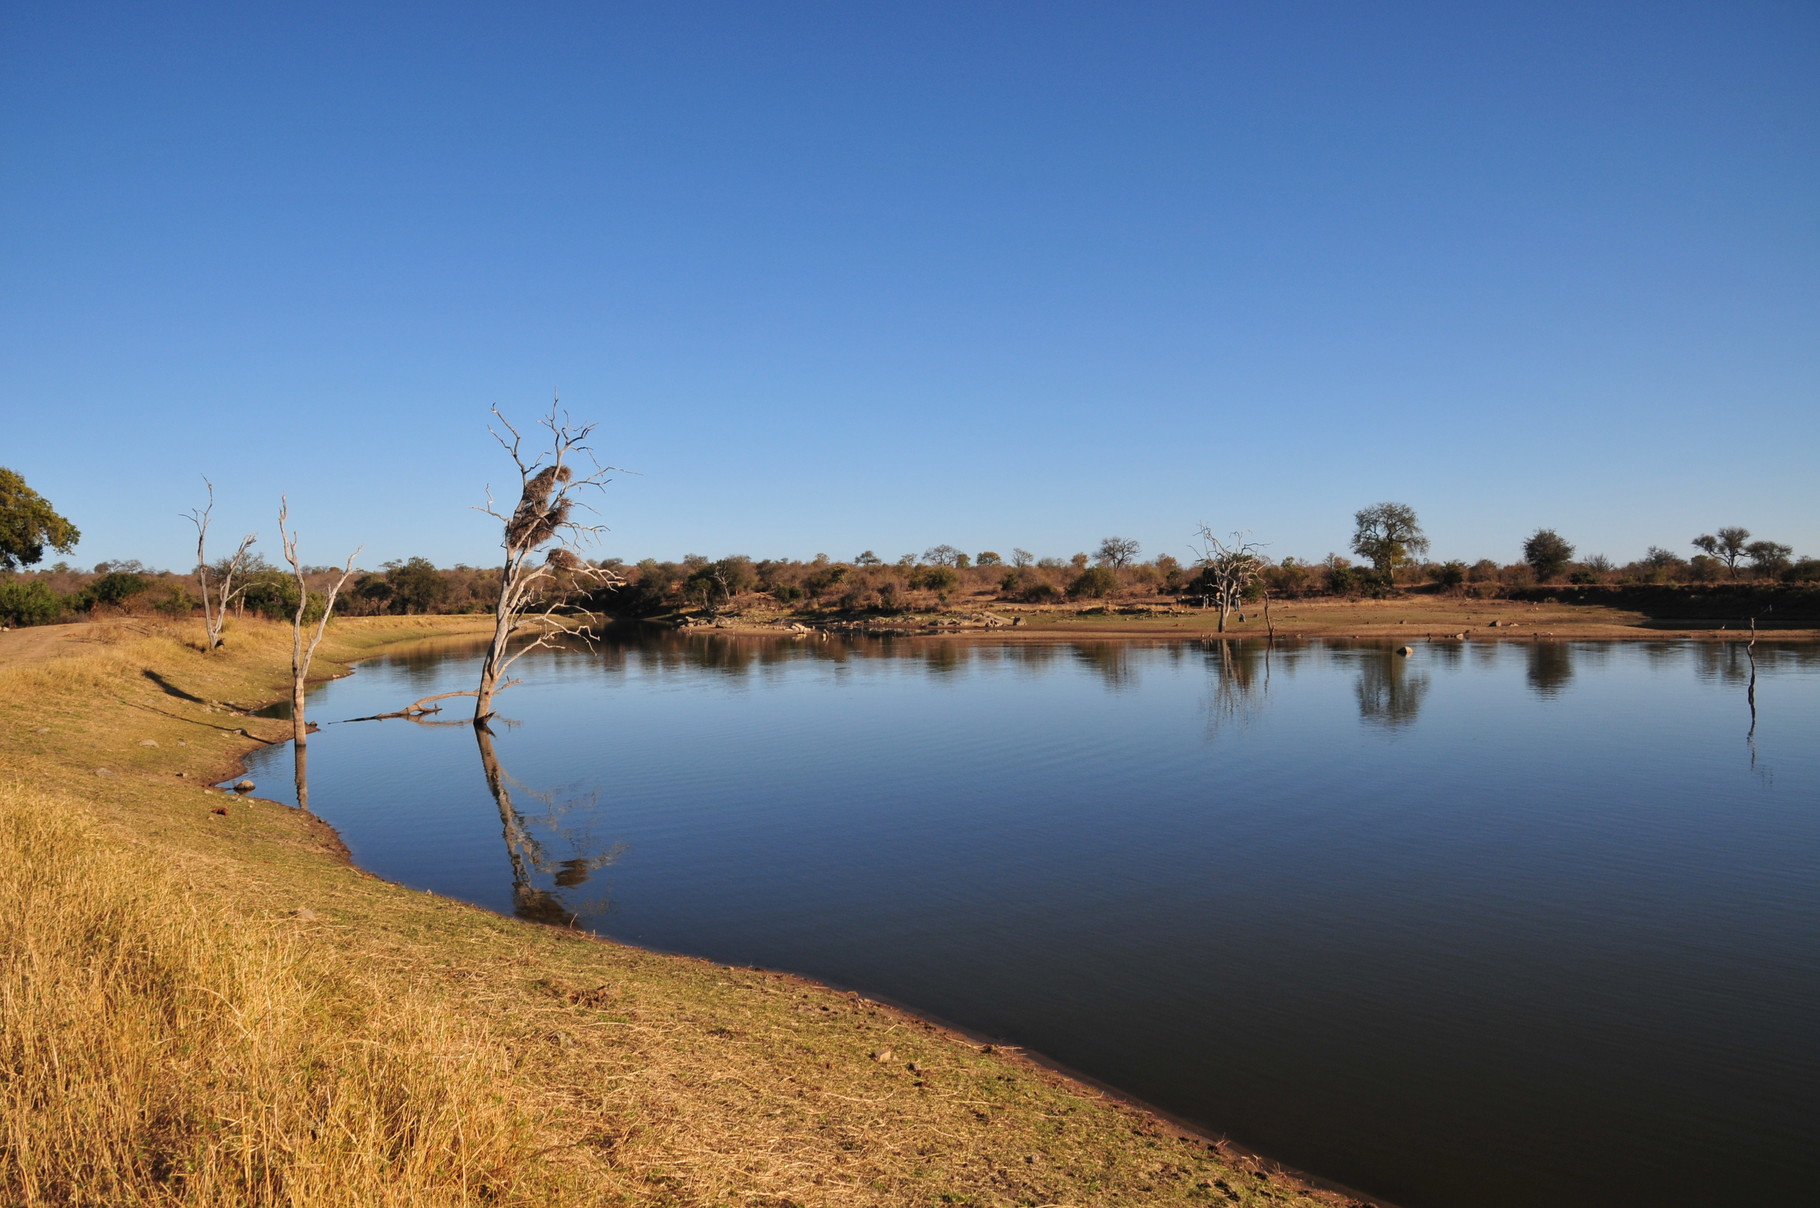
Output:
x=303 y=651
x=1228 y=569
x=216 y=598
x=542 y=570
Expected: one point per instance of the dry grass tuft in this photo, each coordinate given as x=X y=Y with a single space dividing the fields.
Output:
x=158 y=1048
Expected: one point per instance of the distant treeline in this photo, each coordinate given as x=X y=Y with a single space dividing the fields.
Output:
x=942 y=577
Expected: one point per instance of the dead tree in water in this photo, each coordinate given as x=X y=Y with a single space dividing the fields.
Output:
x=302 y=652
x=215 y=599
x=542 y=571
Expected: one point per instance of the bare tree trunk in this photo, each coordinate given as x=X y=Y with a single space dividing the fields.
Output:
x=215 y=601
x=302 y=652
x=1229 y=567
x=492 y=667
x=539 y=522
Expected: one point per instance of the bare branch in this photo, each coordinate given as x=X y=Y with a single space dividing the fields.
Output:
x=302 y=652
x=215 y=601
x=1228 y=569
x=542 y=572
x=301 y=655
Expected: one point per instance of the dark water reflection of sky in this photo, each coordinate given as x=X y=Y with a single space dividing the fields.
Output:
x=1511 y=924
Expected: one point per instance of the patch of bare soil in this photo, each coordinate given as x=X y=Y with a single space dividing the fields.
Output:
x=39 y=643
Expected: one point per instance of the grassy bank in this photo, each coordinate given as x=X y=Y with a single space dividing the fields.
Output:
x=201 y=1004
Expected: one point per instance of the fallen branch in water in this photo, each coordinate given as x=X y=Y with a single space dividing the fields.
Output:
x=422 y=707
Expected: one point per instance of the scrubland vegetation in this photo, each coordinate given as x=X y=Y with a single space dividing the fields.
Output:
x=545 y=566
x=942 y=577
x=202 y=1004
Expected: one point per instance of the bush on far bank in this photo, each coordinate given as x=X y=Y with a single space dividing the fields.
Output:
x=865 y=585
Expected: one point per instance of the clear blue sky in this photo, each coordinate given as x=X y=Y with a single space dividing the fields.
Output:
x=843 y=276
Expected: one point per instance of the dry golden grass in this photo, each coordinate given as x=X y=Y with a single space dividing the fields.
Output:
x=211 y=1009
x=160 y=1047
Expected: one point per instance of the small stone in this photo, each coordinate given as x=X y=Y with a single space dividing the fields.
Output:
x=183 y=775
x=148 y=742
x=245 y=786
x=1406 y=651
x=303 y=914
x=220 y=809
x=880 y=1055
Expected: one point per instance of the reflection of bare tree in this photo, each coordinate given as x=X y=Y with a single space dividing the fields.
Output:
x=1034 y=655
x=1241 y=680
x=944 y=658
x=1750 y=698
x=1110 y=659
x=1721 y=661
x=1551 y=665
x=528 y=856
x=1389 y=693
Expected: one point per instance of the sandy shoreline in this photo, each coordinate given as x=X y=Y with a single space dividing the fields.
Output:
x=1407 y=619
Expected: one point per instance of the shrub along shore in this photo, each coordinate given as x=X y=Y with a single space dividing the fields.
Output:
x=1592 y=614
x=204 y=1003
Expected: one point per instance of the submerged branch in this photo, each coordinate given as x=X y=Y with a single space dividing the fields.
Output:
x=419 y=708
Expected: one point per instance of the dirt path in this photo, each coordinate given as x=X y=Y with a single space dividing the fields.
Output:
x=39 y=643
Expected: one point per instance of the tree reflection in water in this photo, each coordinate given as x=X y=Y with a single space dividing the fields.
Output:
x=529 y=857
x=1241 y=680
x=1551 y=666
x=1111 y=661
x=1390 y=694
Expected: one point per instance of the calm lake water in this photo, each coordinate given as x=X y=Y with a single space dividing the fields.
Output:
x=1494 y=924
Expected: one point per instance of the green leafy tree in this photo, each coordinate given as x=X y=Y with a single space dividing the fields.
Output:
x=268 y=591
x=1450 y=576
x=1548 y=554
x=28 y=602
x=1769 y=557
x=1389 y=535
x=1728 y=545
x=1095 y=582
x=28 y=524
x=417 y=586
x=940 y=579
x=117 y=587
